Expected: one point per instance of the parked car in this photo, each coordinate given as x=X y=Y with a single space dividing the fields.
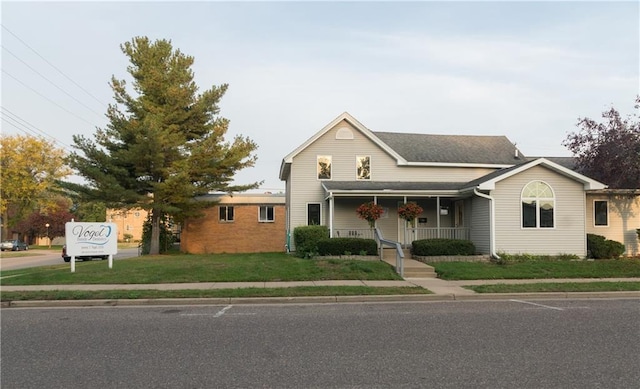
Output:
x=13 y=245
x=67 y=258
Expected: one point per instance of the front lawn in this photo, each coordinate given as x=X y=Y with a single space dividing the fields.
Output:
x=537 y=269
x=202 y=268
x=595 y=286
x=299 y=291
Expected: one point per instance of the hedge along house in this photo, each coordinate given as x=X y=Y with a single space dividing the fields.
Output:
x=480 y=188
x=238 y=223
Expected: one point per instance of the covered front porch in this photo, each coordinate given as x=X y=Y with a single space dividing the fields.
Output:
x=445 y=211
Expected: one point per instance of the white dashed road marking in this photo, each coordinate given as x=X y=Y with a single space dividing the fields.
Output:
x=217 y=314
x=538 y=305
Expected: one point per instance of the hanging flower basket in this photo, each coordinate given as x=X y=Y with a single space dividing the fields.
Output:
x=409 y=211
x=370 y=212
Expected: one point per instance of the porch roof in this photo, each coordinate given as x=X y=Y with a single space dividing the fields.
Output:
x=392 y=187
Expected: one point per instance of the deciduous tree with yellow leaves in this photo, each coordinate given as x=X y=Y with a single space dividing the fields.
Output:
x=29 y=169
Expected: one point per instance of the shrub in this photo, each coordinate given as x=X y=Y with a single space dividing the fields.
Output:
x=600 y=247
x=340 y=246
x=306 y=239
x=524 y=257
x=431 y=247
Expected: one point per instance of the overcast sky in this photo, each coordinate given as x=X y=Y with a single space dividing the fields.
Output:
x=524 y=70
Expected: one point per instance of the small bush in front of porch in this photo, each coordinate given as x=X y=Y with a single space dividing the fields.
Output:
x=603 y=248
x=432 y=247
x=340 y=246
x=306 y=239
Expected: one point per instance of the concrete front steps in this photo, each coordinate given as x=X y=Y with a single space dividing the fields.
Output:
x=412 y=268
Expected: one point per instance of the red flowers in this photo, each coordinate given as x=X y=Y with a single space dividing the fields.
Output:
x=370 y=212
x=409 y=211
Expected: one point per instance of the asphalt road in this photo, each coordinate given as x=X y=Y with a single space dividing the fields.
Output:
x=481 y=344
x=34 y=258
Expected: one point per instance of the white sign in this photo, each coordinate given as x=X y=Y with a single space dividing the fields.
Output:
x=91 y=238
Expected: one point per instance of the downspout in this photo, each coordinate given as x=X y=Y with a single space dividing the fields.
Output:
x=492 y=219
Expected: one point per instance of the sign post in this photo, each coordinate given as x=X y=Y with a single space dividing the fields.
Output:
x=91 y=239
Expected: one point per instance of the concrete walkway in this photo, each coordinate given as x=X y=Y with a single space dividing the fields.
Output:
x=435 y=285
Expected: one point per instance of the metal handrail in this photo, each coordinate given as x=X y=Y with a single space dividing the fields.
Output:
x=399 y=252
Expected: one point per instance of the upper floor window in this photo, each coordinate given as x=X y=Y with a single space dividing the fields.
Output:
x=266 y=213
x=538 y=204
x=601 y=213
x=324 y=167
x=226 y=214
x=363 y=167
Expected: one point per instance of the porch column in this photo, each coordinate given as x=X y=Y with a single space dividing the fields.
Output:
x=375 y=201
x=330 y=216
x=438 y=216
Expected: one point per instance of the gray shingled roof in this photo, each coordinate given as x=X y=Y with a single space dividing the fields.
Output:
x=568 y=162
x=492 y=175
x=474 y=149
x=391 y=185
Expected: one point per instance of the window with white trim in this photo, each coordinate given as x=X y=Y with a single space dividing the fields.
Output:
x=266 y=214
x=601 y=213
x=313 y=214
x=363 y=167
x=226 y=213
x=324 y=167
x=538 y=204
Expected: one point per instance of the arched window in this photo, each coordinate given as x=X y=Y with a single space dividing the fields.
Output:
x=538 y=203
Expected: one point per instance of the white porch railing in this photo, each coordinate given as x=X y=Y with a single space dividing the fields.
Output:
x=365 y=233
x=442 y=233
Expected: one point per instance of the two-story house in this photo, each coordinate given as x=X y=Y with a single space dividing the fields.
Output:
x=480 y=188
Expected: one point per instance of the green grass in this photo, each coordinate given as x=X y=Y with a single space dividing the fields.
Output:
x=202 y=268
x=210 y=293
x=17 y=254
x=595 y=286
x=537 y=269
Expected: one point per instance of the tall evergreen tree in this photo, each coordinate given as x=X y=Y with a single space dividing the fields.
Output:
x=164 y=144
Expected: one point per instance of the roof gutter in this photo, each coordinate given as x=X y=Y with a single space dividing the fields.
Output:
x=492 y=227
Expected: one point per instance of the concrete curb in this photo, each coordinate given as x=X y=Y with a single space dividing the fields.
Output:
x=320 y=299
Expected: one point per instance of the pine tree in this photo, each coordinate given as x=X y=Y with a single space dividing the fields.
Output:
x=164 y=145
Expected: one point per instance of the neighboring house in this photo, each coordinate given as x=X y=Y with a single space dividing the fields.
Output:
x=615 y=214
x=238 y=223
x=479 y=188
x=128 y=221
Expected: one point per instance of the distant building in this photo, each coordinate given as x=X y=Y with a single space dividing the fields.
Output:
x=239 y=223
x=128 y=222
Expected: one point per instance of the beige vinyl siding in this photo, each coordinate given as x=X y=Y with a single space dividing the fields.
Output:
x=345 y=217
x=480 y=225
x=568 y=235
x=624 y=218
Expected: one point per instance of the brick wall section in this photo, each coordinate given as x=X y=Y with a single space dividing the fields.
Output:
x=208 y=235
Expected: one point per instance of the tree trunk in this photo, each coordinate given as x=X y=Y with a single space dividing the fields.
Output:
x=5 y=227
x=154 y=244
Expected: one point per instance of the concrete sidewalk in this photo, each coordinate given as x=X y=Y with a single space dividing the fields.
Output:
x=435 y=285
